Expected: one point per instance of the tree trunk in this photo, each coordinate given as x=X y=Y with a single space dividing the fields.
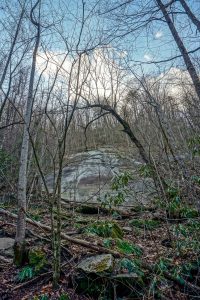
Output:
x=190 y=14
x=57 y=229
x=190 y=67
x=22 y=183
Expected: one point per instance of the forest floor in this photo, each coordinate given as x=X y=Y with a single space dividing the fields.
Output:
x=165 y=266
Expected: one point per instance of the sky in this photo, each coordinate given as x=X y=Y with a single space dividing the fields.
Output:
x=152 y=43
x=137 y=49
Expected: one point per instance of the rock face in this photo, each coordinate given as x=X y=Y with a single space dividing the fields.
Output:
x=97 y=264
x=87 y=175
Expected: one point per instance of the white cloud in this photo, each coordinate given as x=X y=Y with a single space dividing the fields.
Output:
x=176 y=82
x=158 y=34
x=173 y=82
x=100 y=75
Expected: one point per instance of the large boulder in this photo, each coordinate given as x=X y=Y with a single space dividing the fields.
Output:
x=97 y=264
x=87 y=176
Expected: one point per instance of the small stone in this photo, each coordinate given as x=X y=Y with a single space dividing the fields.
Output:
x=6 y=243
x=6 y=246
x=97 y=264
x=127 y=229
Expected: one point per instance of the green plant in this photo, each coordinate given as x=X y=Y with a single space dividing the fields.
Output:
x=162 y=265
x=35 y=217
x=172 y=206
x=64 y=297
x=120 y=190
x=5 y=158
x=194 y=145
x=188 y=212
x=138 y=208
x=105 y=229
x=44 y=297
x=25 y=273
x=145 y=224
x=6 y=162
x=146 y=171
x=107 y=243
x=175 y=207
x=158 y=279
x=177 y=271
x=131 y=266
x=123 y=246
x=128 y=248
x=37 y=259
x=187 y=237
x=116 y=215
x=90 y=286
x=121 y=181
x=173 y=192
x=196 y=179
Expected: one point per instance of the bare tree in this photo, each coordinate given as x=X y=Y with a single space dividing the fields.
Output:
x=22 y=184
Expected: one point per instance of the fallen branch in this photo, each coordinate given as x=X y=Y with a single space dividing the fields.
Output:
x=64 y=236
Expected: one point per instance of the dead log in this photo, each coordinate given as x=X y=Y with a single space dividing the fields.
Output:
x=63 y=235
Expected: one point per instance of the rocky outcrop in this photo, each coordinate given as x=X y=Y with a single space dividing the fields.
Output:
x=87 y=176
